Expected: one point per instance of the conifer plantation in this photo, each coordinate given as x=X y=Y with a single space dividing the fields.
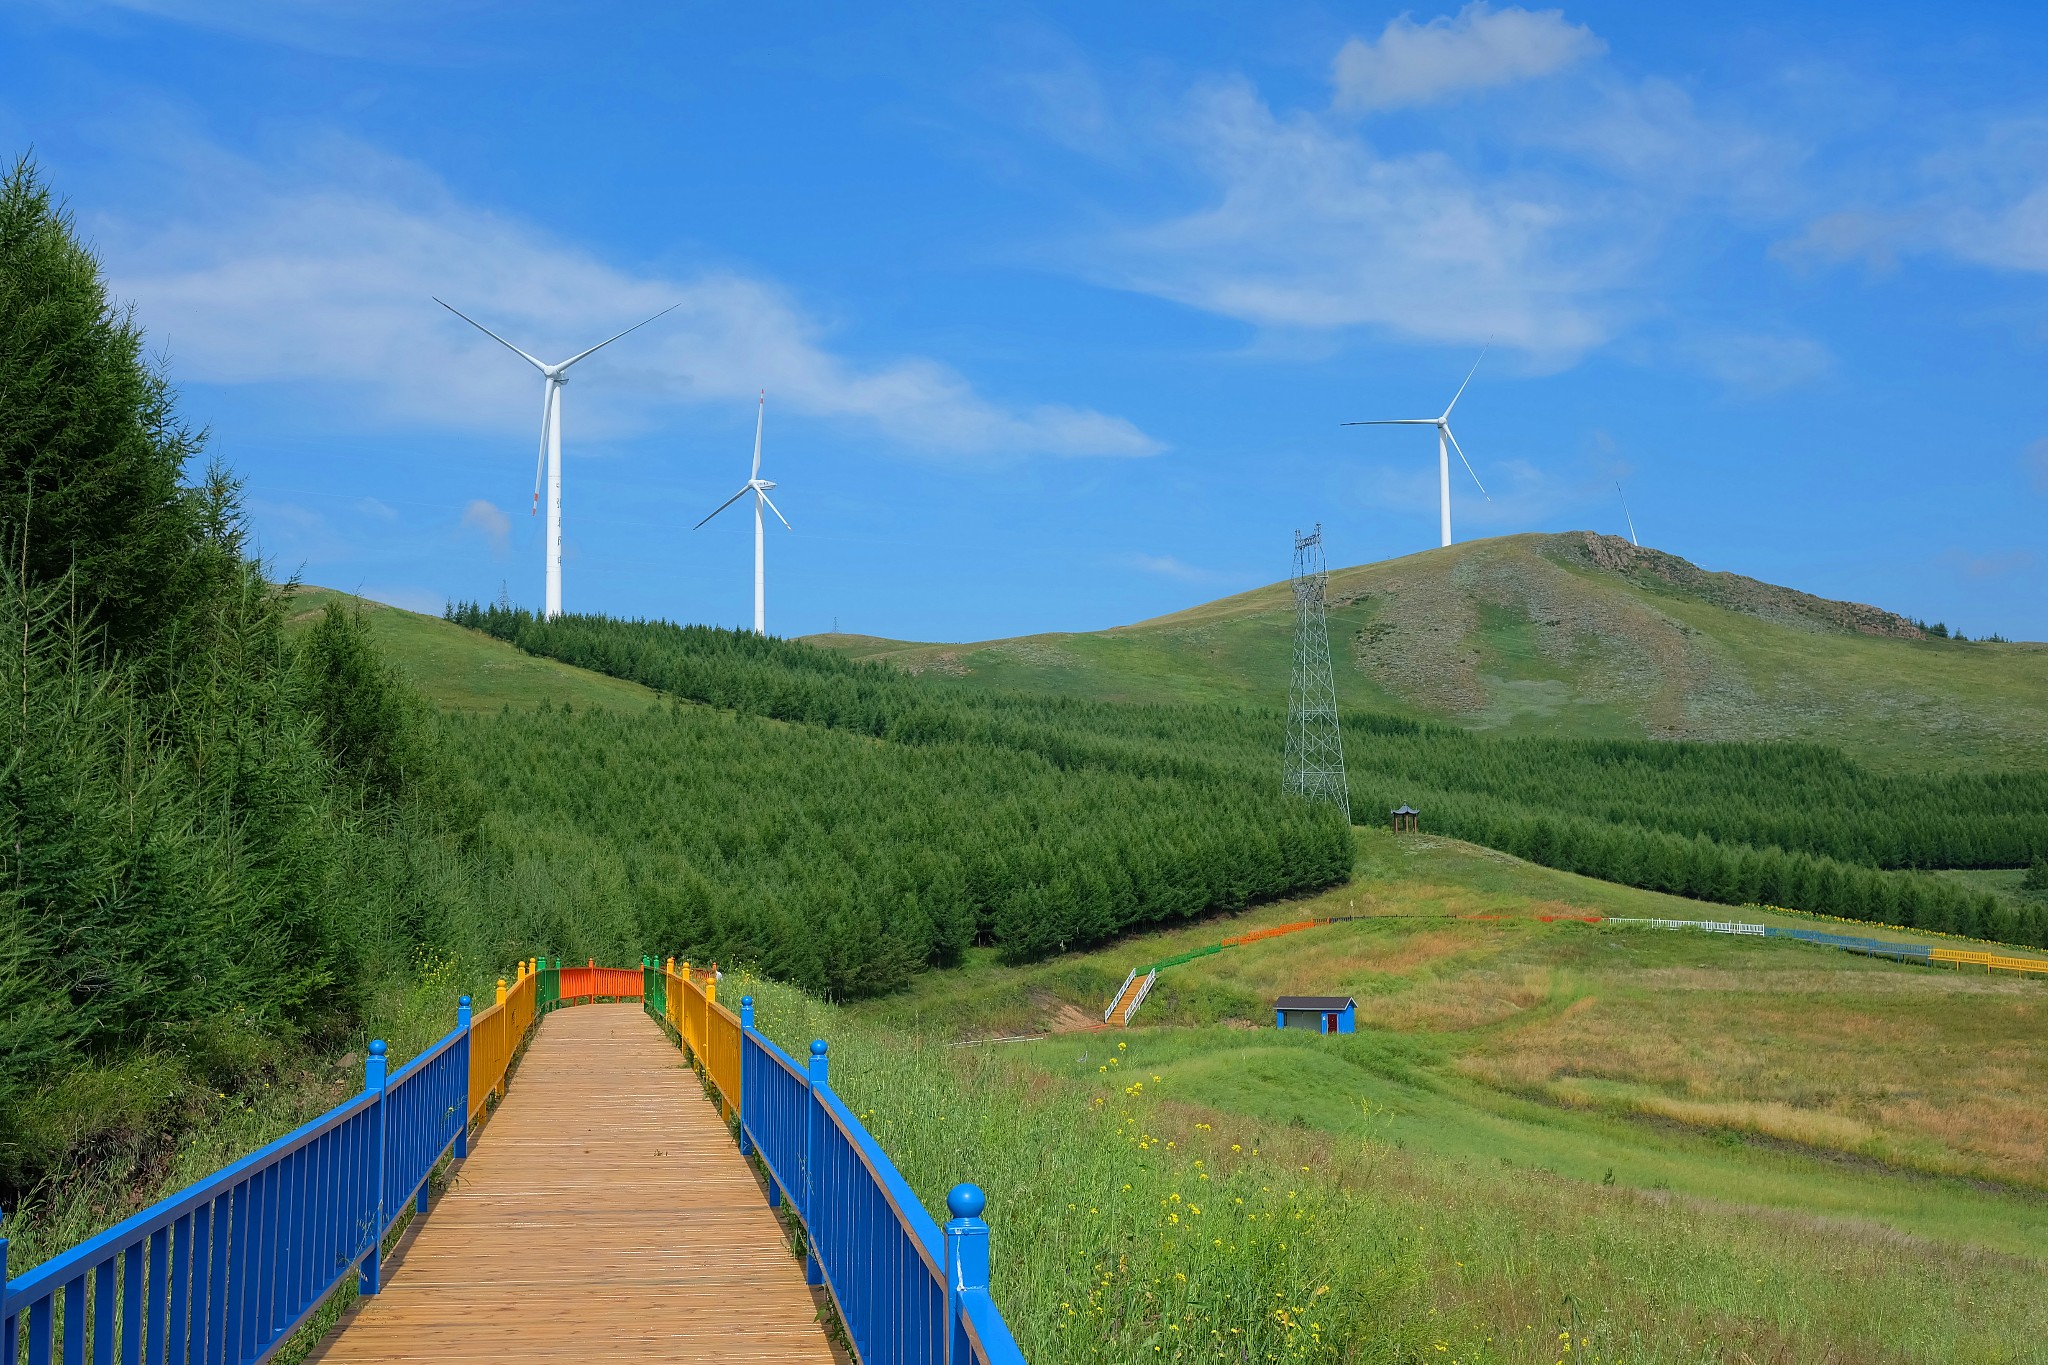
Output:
x=216 y=837
x=1798 y=825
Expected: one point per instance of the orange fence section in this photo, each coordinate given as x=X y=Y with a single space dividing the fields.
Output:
x=595 y=982
x=1274 y=932
x=494 y=1036
x=709 y=1030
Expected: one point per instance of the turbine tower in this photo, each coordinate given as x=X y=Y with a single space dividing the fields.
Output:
x=1445 y=443
x=759 y=487
x=550 y=457
x=1315 y=746
x=1626 y=513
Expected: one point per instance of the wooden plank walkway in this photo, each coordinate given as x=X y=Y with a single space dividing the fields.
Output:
x=603 y=1214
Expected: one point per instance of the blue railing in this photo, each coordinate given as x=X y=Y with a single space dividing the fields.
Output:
x=908 y=1293
x=226 y=1270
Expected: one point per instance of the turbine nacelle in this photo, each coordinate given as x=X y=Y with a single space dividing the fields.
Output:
x=549 y=456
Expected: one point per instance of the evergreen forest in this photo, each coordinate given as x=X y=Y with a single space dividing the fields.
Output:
x=1796 y=825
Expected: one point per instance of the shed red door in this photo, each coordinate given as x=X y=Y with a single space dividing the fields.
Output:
x=1330 y=1022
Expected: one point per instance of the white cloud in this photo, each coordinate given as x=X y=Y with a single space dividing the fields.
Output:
x=1414 y=64
x=1983 y=201
x=327 y=275
x=487 y=520
x=1760 y=363
x=1167 y=566
x=1315 y=229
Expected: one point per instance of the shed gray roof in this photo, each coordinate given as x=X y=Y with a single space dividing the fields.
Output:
x=1313 y=1002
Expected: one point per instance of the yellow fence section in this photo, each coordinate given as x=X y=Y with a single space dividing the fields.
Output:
x=1991 y=962
x=494 y=1037
x=709 y=1030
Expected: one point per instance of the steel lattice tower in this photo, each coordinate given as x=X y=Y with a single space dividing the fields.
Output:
x=1315 y=748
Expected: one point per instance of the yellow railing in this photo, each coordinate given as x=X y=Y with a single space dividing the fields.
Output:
x=494 y=1037
x=709 y=1030
x=1990 y=962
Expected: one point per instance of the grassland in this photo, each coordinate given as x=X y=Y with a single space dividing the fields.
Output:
x=1540 y=634
x=459 y=670
x=1643 y=1145
x=1736 y=1071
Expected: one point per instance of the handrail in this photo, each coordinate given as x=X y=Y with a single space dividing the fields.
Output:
x=229 y=1267
x=1144 y=989
x=495 y=1036
x=905 y=1290
x=1117 y=999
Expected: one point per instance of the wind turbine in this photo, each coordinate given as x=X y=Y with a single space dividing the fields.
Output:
x=1625 y=512
x=550 y=455
x=759 y=487
x=1443 y=450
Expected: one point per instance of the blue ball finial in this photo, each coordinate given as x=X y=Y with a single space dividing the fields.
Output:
x=746 y=1000
x=377 y=1048
x=463 y=1001
x=817 y=1047
x=966 y=1201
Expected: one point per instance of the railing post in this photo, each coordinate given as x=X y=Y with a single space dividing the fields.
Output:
x=462 y=1013
x=746 y=1027
x=370 y=1277
x=815 y=1073
x=966 y=1255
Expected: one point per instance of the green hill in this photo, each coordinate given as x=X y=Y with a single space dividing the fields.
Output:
x=460 y=670
x=1574 y=634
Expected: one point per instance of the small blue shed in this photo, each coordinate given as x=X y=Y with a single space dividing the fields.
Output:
x=1324 y=1013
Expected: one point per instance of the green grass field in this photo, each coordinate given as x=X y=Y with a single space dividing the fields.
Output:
x=1739 y=1071
x=459 y=670
x=1532 y=634
x=1641 y=1145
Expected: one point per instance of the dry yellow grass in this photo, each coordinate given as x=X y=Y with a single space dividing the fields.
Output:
x=1949 y=1085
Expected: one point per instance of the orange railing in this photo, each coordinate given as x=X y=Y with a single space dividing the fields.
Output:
x=1255 y=935
x=710 y=1031
x=594 y=982
x=495 y=1034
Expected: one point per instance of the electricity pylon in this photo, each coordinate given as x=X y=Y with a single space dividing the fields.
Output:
x=1315 y=748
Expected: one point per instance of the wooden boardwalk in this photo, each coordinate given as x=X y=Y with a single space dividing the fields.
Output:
x=604 y=1214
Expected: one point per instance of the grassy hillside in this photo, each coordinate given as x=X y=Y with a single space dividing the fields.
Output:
x=460 y=670
x=1734 y=1071
x=1573 y=634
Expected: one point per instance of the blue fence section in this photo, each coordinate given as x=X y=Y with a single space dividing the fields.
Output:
x=1873 y=947
x=225 y=1270
x=908 y=1292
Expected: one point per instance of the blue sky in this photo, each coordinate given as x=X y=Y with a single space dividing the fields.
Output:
x=1059 y=308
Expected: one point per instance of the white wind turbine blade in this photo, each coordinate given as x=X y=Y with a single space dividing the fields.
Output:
x=609 y=340
x=547 y=410
x=1394 y=422
x=759 y=413
x=1468 y=378
x=1468 y=464
x=492 y=335
x=745 y=489
x=776 y=510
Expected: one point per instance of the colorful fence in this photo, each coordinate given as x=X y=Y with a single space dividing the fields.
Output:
x=585 y=984
x=710 y=1032
x=907 y=1292
x=1855 y=943
x=495 y=1036
x=226 y=1269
